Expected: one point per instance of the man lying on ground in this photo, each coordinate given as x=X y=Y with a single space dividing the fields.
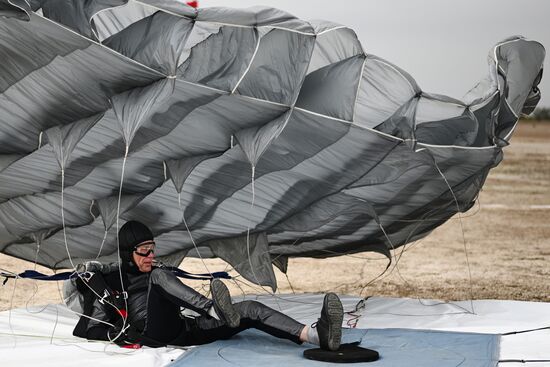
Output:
x=150 y=315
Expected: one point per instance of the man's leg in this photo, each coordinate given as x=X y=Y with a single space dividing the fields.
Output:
x=253 y=314
x=171 y=288
x=220 y=307
x=163 y=322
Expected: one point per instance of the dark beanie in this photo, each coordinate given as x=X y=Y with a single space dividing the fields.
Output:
x=130 y=235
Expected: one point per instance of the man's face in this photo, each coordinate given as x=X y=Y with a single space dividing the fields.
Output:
x=143 y=256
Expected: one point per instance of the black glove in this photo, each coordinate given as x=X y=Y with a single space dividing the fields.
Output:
x=127 y=336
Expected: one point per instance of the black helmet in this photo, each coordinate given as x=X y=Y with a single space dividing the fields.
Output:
x=130 y=235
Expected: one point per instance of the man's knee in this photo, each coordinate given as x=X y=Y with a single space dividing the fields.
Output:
x=251 y=309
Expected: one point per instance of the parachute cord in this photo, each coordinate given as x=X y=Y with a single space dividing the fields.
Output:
x=191 y=236
x=252 y=202
x=373 y=280
x=387 y=266
x=290 y=284
x=63 y=217
x=413 y=287
x=239 y=286
x=69 y=253
x=253 y=186
x=396 y=267
x=124 y=317
x=35 y=287
x=273 y=295
x=60 y=293
x=55 y=324
x=36 y=256
x=9 y=312
x=463 y=236
x=90 y=209
x=102 y=243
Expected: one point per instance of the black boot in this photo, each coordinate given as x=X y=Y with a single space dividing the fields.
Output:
x=329 y=326
x=223 y=305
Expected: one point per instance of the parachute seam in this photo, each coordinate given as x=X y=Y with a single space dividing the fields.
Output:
x=349 y=123
x=457 y=146
x=433 y=97
x=498 y=84
x=262 y=100
x=333 y=29
x=106 y=48
x=258 y=26
x=289 y=30
x=482 y=103
x=200 y=85
x=23 y=9
x=226 y=24
x=249 y=64
x=507 y=137
x=358 y=89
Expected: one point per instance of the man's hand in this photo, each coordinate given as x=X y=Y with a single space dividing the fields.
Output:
x=124 y=336
x=96 y=267
x=89 y=266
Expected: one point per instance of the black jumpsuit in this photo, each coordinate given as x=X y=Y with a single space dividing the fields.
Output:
x=154 y=301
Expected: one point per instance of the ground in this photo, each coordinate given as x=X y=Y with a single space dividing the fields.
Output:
x=506 y=237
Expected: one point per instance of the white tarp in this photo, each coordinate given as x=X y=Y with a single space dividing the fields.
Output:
x=20 y=349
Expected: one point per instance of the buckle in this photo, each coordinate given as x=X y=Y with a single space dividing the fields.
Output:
x=105 y=295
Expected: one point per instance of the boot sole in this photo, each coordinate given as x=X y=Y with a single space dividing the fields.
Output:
x=222 y=300
x=335 y=313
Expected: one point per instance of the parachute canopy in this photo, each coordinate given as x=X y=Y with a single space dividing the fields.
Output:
x=267 y=136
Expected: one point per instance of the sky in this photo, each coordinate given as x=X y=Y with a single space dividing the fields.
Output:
x=443 y=44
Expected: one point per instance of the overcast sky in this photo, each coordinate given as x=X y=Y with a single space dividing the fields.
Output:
x=443 y=44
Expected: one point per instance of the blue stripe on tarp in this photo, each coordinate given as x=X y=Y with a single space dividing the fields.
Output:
x=397 y=348
x=33 y=274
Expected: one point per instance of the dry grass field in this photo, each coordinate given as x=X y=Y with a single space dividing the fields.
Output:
x=506 y=237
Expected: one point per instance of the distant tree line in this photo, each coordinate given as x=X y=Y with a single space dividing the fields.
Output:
x=540 y=114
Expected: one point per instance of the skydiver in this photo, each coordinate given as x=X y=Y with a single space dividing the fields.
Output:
x=155 y=296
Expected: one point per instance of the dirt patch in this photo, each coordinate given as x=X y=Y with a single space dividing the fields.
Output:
x=507 y=237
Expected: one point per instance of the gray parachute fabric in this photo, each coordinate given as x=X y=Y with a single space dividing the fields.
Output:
x=247 y=134
x=249 y=255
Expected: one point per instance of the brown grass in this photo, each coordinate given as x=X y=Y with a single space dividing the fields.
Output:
x=508 y=246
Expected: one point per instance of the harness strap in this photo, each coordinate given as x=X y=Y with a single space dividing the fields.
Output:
x=32 y=274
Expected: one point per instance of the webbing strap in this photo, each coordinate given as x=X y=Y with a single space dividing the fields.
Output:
x=204 y=276
x=33 y=274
